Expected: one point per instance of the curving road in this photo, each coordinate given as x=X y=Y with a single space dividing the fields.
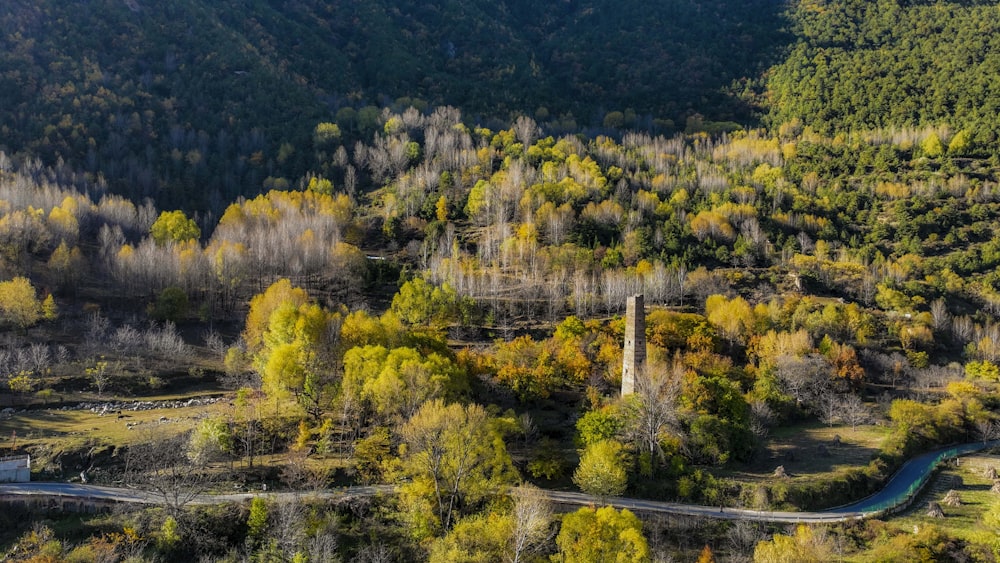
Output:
x=910 y=476
x=78 y=491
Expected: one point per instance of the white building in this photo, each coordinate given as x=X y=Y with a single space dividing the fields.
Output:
x=15 y=469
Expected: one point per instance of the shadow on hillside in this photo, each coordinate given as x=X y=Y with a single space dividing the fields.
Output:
x=674 y=59
x=813 y=451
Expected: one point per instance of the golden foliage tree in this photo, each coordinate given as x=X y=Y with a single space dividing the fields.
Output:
x=602 y=469
x=602 y=534
x=174 y=226
x=19 y=306
x=805 y=546
x=453 y=460
x=263 y=305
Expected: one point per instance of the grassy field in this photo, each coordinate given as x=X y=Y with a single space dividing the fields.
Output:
x=969 y=480
x=37 y=426
x=964 y=522
x=813 y=451
x=51 y=434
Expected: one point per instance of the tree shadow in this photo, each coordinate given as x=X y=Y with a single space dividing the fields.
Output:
x=670 y=59
x=802 y=453
x=649 y=60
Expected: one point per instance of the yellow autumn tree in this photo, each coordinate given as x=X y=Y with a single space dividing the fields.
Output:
x=805 y=546
x=293 y=357
x=66 y=265
x=733 y=317
x=264 y=304
x=602 y=534
x=174 y=226
x=19 y=305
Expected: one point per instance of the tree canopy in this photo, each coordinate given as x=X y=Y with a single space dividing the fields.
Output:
x=602 y=534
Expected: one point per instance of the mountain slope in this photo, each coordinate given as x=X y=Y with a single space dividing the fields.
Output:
x=892 y=63
x=190 y=101
x=195 y=103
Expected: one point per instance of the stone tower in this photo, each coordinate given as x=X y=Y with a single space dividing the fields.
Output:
x=635 y=343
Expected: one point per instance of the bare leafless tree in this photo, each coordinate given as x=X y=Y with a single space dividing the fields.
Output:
x=761 y=418
x=322 y=544
x=531 y=530
x=652 y=410
x=166 y=342
x=743 y=537
x=95 y=333
x=246 y=419
x=827 y=406
x=374 y=553
x=340 y=157
x=940 y=318
x=936 y=375
x=987 y=430
x=287 y=528
x=526 y=130
x=350 y=180
x=803 y=378
x=214 y=342
x=40 y=357
x=962 y=330
x=854 y=411
x=160 y=466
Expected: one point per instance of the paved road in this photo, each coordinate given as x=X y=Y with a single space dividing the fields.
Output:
x=120 y=494
x=80 y=491
x=911 y=472
x=76 y=490
x=704 y=511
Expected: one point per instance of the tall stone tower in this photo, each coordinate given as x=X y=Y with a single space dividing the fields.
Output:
x=635 y=343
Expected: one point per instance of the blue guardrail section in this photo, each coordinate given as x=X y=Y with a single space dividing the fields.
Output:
x=910 y=478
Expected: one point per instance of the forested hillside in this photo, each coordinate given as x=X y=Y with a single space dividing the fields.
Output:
x=866 y=65
x=790 y=278
x=194 y=103
x=352 y=243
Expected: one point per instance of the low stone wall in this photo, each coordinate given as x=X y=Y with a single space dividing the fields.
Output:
x=15 y=469
x=57 y=503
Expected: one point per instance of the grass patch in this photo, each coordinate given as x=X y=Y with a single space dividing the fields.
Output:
x=51 y=434
x=813 y=451
x=973 y=487
x=47 y=425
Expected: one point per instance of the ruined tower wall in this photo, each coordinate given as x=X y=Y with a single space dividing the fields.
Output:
x=635 y=343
